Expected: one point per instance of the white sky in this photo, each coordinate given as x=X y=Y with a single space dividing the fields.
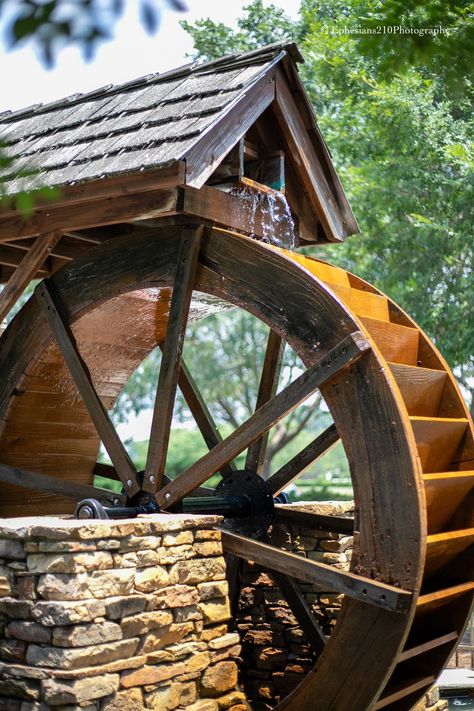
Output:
x=129 y=55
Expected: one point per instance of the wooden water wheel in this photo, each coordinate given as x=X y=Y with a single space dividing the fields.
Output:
x=396 y=408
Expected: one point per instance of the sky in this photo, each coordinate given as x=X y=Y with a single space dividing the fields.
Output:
x=131 y=53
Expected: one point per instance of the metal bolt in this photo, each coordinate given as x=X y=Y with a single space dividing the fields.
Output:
x=152 y=479
x=85 y=512
x=116 y=502
x=167 y=496
x=129 y=483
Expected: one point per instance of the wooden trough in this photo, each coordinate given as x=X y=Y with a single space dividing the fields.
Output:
x=144 y=237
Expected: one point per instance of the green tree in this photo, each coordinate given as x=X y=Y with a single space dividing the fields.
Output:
x=404 y=153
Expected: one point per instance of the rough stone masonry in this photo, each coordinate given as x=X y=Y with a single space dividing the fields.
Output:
x=115 y=616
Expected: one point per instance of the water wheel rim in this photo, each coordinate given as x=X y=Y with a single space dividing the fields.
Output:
x=390 y=546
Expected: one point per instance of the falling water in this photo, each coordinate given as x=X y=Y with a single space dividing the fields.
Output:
x=268 y=210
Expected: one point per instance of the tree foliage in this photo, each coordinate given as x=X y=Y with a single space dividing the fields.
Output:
x=53 y=24
x=401 y=144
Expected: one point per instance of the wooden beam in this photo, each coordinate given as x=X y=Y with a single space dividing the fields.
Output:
x=60 y=487
x=230 y=211
x=187 y=261
x=268 y=386
x=285 y=513
x=326 y=577
x=54 y=313
x=97 y=190
x=292 y=469
x=301 y=610
x=25 y=271
x=200 y=412
x=307 y=162
x=348 y=351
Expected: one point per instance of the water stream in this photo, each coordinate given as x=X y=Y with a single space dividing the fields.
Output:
x=268 y=214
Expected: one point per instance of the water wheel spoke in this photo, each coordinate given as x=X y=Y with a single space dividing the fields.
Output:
x=200 y=412
x=188 y=254
x=327 y=577
x=55 y=315
x=301 y=610
x=309 y=454
x=292 y=516
x=349 y=350
x=61 y=487
x=272 y=364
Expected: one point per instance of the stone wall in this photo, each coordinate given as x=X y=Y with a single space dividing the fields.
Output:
x=115 y=616
x=275 y=655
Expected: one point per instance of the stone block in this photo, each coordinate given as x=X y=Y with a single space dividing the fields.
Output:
x=220 y=655
x=204 y=705
x=61 y=613
x=226 y=640
x=207 y=534
x=209 y=590
x=178 y=538
x=218 y=679
x=23 y=688
x=216 y=610
x=144 y=622
x=12 y=549
x=79 y=657
x=13 y=650
x=123 y=606
x=130 y=700
x=197 y=662
x=19 y=609
x=69 y=562
x=164 y=698
x=29 y=632
x=86 y=634
x=184 y=614
x=173 y=554
x=175 y=596
x=229 y=700
x=151 y=579
x=138 y=543
x=208 y=548
x=148 y=675
x=156 y=640
x=136 y=559
x=212 y=632
x=6 y=581
x=56 y=692
x=197 y=570
x=98 y=584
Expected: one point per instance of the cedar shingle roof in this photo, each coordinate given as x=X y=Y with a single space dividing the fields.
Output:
x=143 y=124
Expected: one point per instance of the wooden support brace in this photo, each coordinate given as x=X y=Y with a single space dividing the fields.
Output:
x=54 y=312
x=26 y=271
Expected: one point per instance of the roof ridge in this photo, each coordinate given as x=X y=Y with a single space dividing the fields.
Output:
x=228 y=61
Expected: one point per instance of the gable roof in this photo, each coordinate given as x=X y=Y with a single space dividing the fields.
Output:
x=146 y=123
x=194 y=114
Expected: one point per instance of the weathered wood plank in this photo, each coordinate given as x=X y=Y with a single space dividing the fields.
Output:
x=321 y=522
x=52 y=310
x=268 y=386
x=373 y=592
x=292 y=469
x=109 y=211
x=301 y=610
x=188 y=255
x=307 y=162
x=200 y=412
x=25 y=271
x=349 y=350
x=94 y=190
x=402 y=689
x=418 y=649
x=55 y=485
